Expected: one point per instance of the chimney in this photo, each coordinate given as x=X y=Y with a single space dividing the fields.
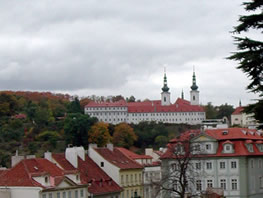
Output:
x=110 y=146
x=47 y=155
x=72 y=154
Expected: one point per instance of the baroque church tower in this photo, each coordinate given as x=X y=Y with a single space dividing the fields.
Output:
x=165 y=92
x=194 y=93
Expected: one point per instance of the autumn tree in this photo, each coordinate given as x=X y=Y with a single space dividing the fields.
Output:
x=99 y=134
x=250 y=52
x=124 y=135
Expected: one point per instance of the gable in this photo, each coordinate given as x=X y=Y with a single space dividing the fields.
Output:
x=64 y=184
x=203 y=138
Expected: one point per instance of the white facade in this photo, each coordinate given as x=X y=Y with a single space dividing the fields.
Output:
x=112 y=170
x=194 y=95
x=165 y=98
x=157 y=111
x=112 y=115
x=243 y=119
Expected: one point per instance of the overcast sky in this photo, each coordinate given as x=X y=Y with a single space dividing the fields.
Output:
x=112 y=47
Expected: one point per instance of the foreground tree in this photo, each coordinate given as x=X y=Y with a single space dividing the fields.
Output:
x=250 y=54
x=179 y=175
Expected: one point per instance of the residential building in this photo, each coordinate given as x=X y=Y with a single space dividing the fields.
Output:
x=123 y=170
x=182 y=111
x=39 y=178
x=230 y=159
x=151 y=172
x=240 y=118
x=79 y=166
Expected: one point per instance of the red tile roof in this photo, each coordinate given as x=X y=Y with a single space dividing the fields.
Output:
x=237 y=136
x=180 y=105
x=121 y=103
x=91 y=173
x=238 y=110
x=117 y=158
x=22 y=174
x=132 y=155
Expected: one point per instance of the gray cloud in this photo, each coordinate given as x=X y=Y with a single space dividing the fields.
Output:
x=120 y=47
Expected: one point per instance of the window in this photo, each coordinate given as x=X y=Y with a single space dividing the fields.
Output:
x=175 y=167
x=44 y=195
x=250 y=147
x=233 y=164
x=58 y=194
x=223 y=184
x=234 y=184
x=209 y=183
x=64 y=194
x=101 y=164
x=228 y=148
x=252 y=163
x=81 y=193
x=46 y=179
x=69 y=194
x=198 y=166
x=198 y=185
x=208 y=147
x=122 y=179
x=50 y=195
x=259 y=163
x=222 y=165
x=127 y=179
x=208 y=165
x=76 y=194
x=261 y=182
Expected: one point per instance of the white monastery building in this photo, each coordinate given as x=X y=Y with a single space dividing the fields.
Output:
x=182 y=111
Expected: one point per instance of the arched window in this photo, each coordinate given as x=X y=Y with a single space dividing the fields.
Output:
x=164 y=99
x=193 y=97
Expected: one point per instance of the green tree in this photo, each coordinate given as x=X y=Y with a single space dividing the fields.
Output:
x=250 y=53
x=74 y=106
x=76 y=127
x=210 y=111
x=161 y=141
x=124 y=135
x=225 y=110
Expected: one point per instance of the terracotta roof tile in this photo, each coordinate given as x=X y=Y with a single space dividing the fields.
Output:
x=118 y=159
x=151 y=106
x=237 y=136
x=238 y=110
x=91 y=173
x=132 y=155
x=22 y=173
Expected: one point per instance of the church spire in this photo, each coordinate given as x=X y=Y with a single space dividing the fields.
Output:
x=194 y=87
x=182 y=94
x=165 y=87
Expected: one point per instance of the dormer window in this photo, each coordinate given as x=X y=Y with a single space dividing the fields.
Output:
x=228 y=147
x=249 y=145
x=46 y=179
x=259 y=144
x=208 y=147
x=77 y=177
x=250 y=148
